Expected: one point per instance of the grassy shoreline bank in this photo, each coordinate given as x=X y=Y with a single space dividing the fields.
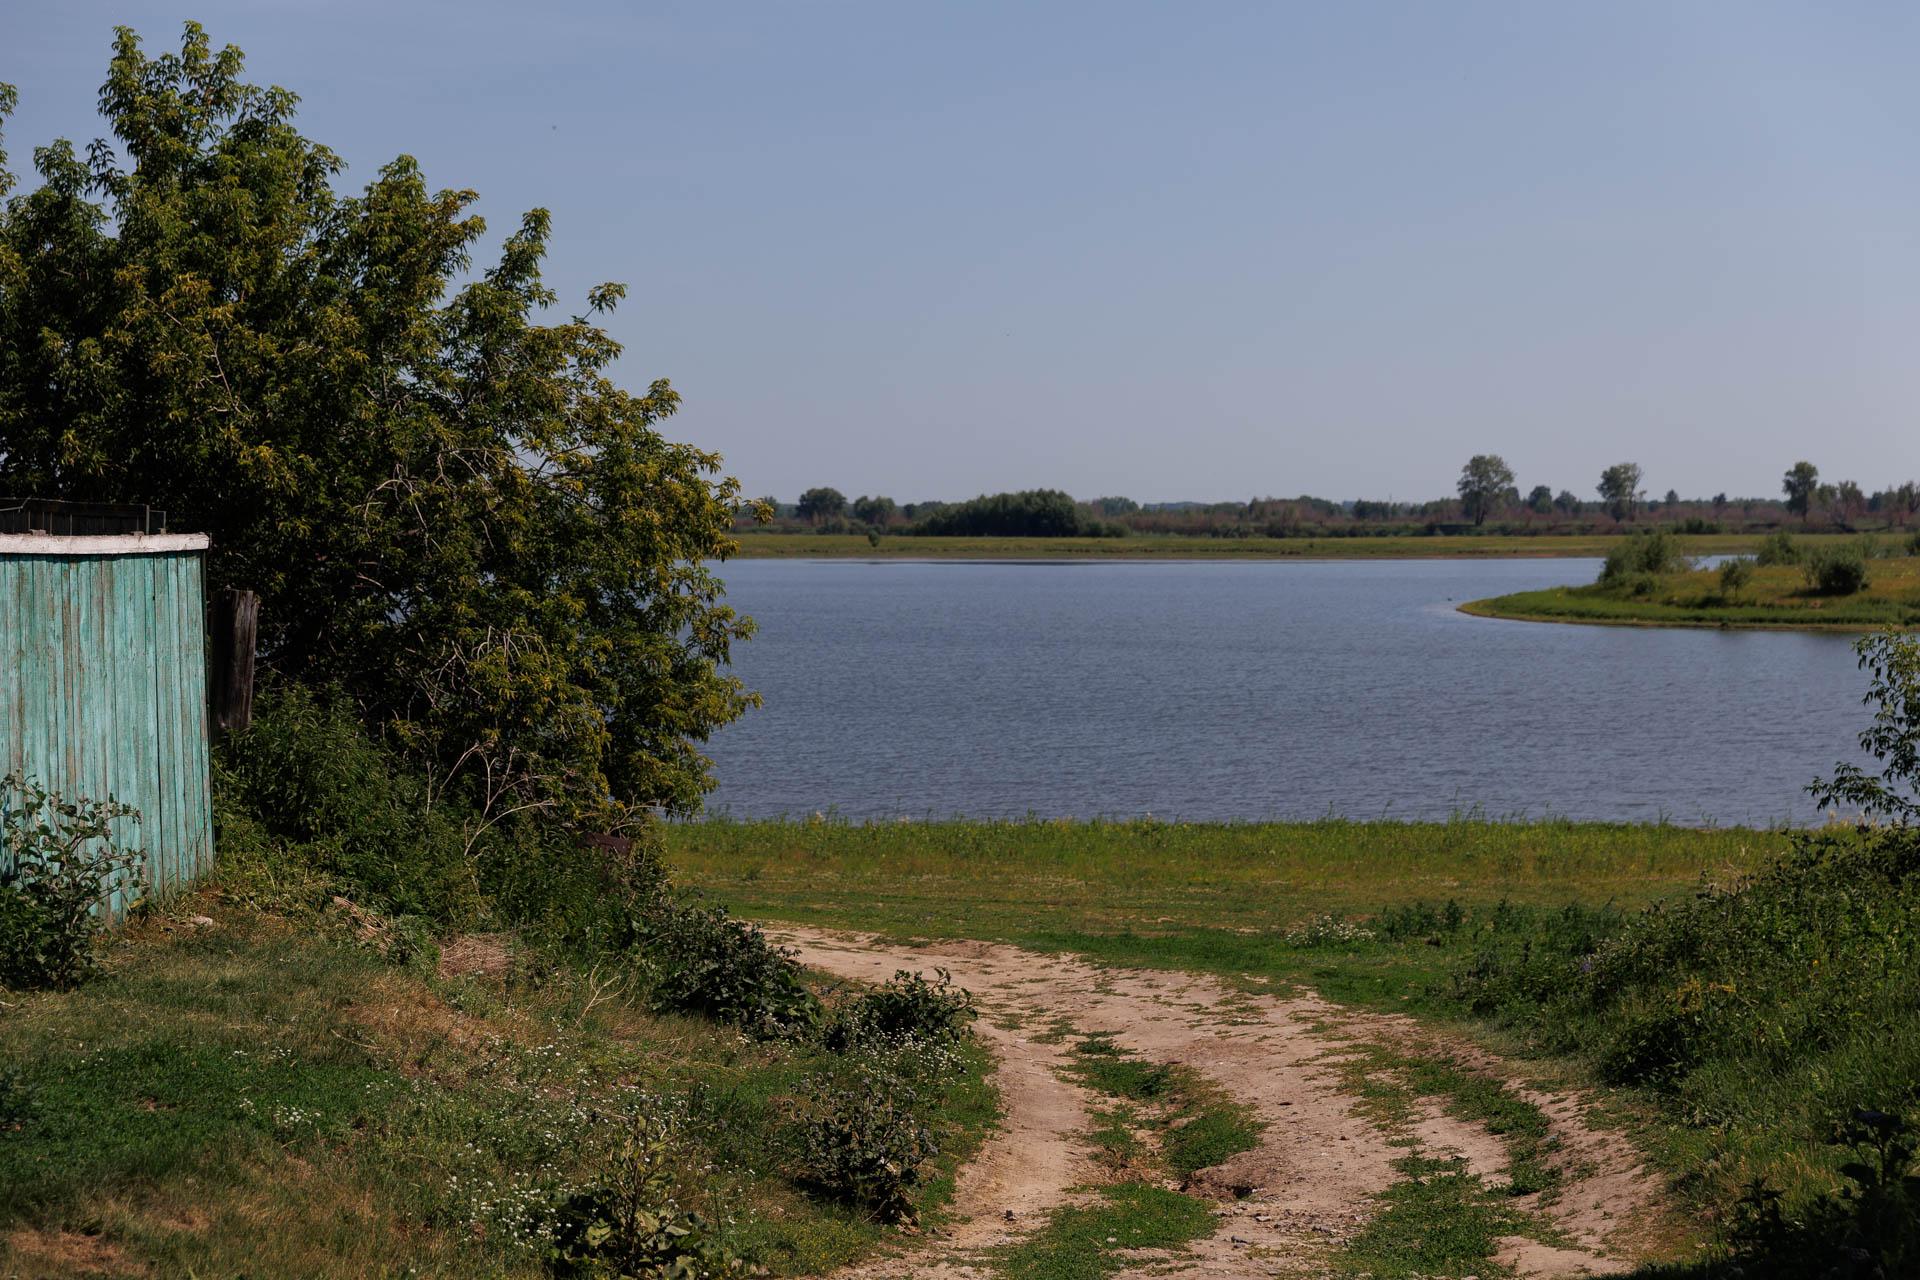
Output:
x=1778 y=598
x=804 y=546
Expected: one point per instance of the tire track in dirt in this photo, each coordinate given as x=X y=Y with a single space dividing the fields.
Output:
x=1287 y=1204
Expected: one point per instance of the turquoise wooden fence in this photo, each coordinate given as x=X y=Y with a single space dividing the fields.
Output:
x=103 y=686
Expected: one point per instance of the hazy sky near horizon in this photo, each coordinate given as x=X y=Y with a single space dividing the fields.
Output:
x=1170 y=251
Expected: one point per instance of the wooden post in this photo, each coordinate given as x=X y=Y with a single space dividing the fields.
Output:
x=236 y=615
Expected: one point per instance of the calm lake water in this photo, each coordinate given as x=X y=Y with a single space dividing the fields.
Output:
x=1258 y=690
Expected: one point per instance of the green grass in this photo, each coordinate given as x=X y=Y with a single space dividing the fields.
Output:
x=1777 y=597
x=1217 y=898
x=1391 y=1083
x=1091 y=1241
x=761 y=545
x=272 y=1098
x=1193 y=1125
x=1163 y=1119
x=1439 y=1220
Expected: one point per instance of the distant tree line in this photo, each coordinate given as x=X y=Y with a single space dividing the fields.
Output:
x=1487 y=499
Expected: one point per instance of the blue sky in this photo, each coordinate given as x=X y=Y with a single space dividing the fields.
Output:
x=1170 y=251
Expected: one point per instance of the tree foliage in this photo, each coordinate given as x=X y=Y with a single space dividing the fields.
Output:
x=450 y=509
x=1800 y=483
x=1486 y=484
x=1032 y=513
x=1620 y=489
x=1892 y=663
x=876 y=511
x=818 y=504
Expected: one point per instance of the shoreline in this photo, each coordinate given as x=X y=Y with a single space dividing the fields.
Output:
x=902 y=547
x=1483 y=609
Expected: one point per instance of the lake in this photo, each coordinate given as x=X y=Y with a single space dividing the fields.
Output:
x=1258 y=689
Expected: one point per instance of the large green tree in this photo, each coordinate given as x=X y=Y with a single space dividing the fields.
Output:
x=1800 y=483
x=820 y=503
x=1620 y=489
x=1486 y=484
x=451 y=510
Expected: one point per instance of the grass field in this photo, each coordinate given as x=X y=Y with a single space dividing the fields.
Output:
x=756 y=545
x=1233 y=899
x=1199 y=889
x=1778 y=596
x=270 y=1097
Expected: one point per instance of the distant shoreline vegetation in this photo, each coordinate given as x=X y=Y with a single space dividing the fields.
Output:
x=1851 y=584
x=791 y=545
x=1488 y=504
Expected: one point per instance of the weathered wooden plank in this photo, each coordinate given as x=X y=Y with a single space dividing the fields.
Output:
x=231 y=638
x=103 y=689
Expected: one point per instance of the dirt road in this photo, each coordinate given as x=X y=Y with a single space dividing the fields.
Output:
x=1285 y=1206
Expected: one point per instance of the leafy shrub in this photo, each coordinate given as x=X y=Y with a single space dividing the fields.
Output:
x=1836 y=571
x=305 y=785
x=864 y=1140
x=1868 y=1231
x=58 y=861
x=908 y=1007
x=1778 y=548
x=1642 y=558
x=1736 y=574
x=699 y=959
x=628 y=1224
x=307 y=805
x=1913 y=543
x=1699 y=524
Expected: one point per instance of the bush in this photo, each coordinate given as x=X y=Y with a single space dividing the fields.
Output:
x=1836 y=571
x=908 y=1007
x=699 y=959
x=1639 y=560
x=863 y=1140
x=628 y=1224
x=307 y=806
x=59 y=859
x=1778 y=548
x=1736 y=575
x=306 y=787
